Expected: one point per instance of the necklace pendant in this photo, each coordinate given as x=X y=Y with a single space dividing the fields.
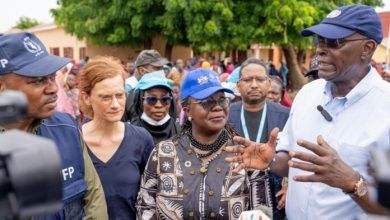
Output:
x=202 y=170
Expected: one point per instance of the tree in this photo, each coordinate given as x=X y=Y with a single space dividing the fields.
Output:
x=25 y=22
x=285 y=19
x=204 y=25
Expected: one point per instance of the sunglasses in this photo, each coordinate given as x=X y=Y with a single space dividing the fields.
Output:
x=209 y=103
x=333 y=43
x=258 y=79
x=152 y=100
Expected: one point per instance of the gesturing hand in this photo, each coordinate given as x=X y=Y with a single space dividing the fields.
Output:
x=326 y=165
x=252 y=154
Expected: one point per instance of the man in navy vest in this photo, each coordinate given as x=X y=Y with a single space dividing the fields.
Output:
x=254 y=117
x=26 y=66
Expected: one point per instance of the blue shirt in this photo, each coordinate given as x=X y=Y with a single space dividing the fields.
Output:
x=360 y=123
x=121 y=174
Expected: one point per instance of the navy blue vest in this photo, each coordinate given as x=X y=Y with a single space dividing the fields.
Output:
x=64 y=131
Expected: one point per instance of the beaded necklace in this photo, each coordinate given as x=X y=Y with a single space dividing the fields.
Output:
x=209 y=148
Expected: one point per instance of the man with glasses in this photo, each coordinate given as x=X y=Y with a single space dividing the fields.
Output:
x=334 y=123
x=254 y=117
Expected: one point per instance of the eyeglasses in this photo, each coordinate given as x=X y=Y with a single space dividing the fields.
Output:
x=258 y=79
x=209 y=103
x=333 y=43
x=152 y=100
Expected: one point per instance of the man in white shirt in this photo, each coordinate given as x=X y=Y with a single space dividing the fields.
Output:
x=334 y=123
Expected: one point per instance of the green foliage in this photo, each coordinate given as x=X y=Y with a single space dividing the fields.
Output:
x=26 y=22
x=205 y=25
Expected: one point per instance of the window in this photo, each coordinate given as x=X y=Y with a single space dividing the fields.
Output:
x=83 y=52
x=68 y=52
x=55 y=51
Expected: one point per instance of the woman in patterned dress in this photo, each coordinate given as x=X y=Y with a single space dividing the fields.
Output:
x=186 y=177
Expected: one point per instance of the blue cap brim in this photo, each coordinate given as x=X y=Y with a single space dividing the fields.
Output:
x=43 y=67
x=209 y=91
x=143 y=87
x=329 y=31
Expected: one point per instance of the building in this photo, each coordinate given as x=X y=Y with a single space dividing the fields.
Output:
x=60 y=43
x=382 y=53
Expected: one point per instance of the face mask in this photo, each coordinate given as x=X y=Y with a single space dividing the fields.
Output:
x=153 y=122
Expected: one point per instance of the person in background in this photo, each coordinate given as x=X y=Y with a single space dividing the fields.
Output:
x=327 y=157
x=386 y=75
x=255 y=117
x=186 y=177
x=275 y=92
x=176 y=93
x=178 y=72
x=131 y=81
x=119 y=150
x=68 y=93
x=146 y=62
x=155 y=107
x=28 y=68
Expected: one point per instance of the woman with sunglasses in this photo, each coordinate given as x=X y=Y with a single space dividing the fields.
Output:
x=154 y=106
x=119 y=151
x=186 y=177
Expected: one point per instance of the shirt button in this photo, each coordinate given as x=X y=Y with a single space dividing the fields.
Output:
x=191 y=214
x=202 y=170
x=218 y=170
x=211 y=193
x=192 y=172
x=189 y=151
x=186 y=191
x=212 y=214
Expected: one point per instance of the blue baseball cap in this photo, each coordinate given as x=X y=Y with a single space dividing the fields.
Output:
x=24 y=54
x=153 y=79
x=347 y=20
x=200 y=84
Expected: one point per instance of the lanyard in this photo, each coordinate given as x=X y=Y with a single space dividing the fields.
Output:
x=261 y=126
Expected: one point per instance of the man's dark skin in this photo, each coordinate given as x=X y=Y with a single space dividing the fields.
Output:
x=41 y=93
x=344 y=67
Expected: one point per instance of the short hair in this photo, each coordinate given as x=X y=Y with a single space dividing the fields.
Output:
x=95 y=71
x=253 y=61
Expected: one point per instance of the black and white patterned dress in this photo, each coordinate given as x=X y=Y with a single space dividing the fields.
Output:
x=177 y=185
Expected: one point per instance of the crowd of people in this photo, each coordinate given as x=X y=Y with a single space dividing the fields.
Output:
x=199 y=140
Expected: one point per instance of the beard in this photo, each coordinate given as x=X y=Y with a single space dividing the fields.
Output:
x=252 y=101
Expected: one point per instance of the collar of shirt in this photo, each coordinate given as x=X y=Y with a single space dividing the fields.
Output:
x=35 y=125
x=337 y=104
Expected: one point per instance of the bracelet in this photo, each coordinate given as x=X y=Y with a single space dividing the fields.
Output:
x=270 y=163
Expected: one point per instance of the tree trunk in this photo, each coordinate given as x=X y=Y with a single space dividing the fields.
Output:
x=242 y=56
x=168 y=51
x=295 y=77
x=148 y=44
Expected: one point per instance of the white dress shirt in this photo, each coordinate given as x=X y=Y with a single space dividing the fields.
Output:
x=361 y=122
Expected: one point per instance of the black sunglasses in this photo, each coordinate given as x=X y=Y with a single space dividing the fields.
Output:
x=209 y=103
x=152 y=100
x=333 y=43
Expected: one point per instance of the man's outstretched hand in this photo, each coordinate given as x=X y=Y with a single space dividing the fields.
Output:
x=325 y=164
x=251 y=154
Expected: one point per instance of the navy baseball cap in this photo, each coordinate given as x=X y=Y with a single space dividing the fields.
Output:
x=24 y=54
x=347 y=20
x=200 y=84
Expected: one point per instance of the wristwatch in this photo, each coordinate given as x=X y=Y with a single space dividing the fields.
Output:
x=360 y=189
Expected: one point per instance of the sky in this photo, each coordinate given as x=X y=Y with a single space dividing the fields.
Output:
x=12 y=10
